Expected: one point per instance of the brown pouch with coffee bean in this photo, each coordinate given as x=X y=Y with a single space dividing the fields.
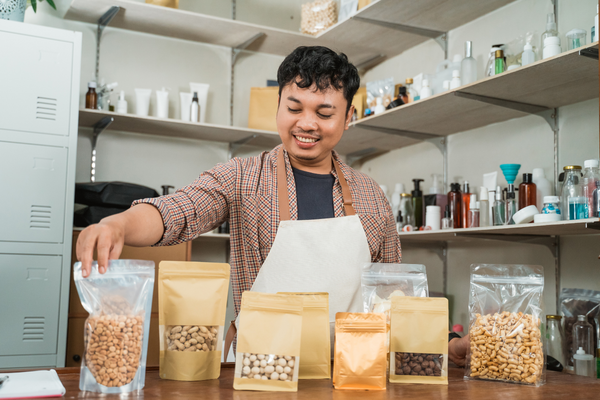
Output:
x=419 y=340
x=192 y=299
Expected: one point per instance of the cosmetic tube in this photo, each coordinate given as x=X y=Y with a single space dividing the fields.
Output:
x=184 y=105
x=142 y=102
x=162 y=103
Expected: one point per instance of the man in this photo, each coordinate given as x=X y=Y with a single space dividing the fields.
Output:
x=301 y=219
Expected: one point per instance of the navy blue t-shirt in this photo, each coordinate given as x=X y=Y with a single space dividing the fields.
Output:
x=314 y=195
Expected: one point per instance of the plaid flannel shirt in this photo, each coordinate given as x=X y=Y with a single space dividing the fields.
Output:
x=244 y=191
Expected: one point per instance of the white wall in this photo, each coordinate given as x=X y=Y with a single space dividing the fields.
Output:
x=140 y=60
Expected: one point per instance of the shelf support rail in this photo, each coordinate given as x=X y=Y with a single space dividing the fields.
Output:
x=102 y=23
x=440 y=37
x=352 y=158
x=99 y=127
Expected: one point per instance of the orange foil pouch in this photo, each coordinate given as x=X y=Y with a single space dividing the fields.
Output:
x=360 y=355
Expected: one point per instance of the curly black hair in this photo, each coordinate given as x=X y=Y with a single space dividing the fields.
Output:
x=321 y=66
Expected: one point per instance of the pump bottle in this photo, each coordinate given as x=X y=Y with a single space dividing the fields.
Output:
x=498 y=209
x=464 y=210
x=417 y=198
x=122 y=103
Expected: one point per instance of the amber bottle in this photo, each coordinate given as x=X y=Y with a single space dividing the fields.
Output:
x=454 y=201
x=527 y=192
x=91 y=97
x=465 y=206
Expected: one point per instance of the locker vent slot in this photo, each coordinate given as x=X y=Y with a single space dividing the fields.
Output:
x=40 y=217
x=46 y=108
x=33 y=329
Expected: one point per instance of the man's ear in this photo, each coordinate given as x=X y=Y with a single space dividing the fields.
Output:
x=349 y=117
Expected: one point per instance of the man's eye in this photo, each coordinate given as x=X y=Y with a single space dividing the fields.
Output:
x=293 y=110
x=324 y=115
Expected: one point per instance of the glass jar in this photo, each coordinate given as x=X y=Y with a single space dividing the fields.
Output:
x=551 y=205
x=556 y=338
x=571 y=187
x=407 y=209
x=583 y=347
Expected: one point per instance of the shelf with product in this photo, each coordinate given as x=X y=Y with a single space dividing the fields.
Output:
x=398 y=26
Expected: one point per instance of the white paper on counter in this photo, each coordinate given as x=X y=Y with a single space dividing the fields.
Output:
x=32 y=384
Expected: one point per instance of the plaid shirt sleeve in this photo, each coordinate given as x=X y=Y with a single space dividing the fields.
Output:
x=196 y=208
x=391 y=251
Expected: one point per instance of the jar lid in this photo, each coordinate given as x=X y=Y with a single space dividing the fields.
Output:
x=409 y=81
x=590 y=163
x=405 y=195
x=572 y=167
x=525 y=215
x=551 y=199
x=499 y=54
x=576 y=32
x=558 y=317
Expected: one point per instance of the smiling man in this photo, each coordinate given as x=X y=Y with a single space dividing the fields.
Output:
x=301 y=220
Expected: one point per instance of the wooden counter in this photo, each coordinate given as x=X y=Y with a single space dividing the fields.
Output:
x=559 y=386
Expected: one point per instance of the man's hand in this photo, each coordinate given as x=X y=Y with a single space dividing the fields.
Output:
x=140 y=226
x=457 y=350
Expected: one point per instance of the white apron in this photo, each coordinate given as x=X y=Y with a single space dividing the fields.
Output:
x=321 y=255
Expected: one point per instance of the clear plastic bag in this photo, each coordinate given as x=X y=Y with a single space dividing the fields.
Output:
x=381 y=281
x=383 y=88
x=506 y=311
x=318 y=16
x=116 y=332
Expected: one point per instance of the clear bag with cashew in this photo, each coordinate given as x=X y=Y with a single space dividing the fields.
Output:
x=506 y=309
x=116 y=332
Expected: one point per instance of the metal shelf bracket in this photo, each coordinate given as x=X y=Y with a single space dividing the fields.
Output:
x=235 y=146
x=591 y=53
x=102 y=23
x=99 y=127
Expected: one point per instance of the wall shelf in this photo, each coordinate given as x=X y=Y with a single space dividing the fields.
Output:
x=588 y=226
x=562 y=80
x=398 y=25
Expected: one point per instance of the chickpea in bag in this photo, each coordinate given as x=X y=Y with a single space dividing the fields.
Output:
x=116 y=332
x=268 y=346
x=506 y=309
x=360 y=354
x=419 y=340
x=192 y=300
x=315 y=349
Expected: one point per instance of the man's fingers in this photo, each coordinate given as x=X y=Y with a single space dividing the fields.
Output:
x=104 y=249
x=115 y=253
x=85 y=252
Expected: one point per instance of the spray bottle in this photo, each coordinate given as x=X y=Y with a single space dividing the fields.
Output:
x=499 y=209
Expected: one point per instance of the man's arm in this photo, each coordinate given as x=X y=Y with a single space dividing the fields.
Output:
x=141 y=225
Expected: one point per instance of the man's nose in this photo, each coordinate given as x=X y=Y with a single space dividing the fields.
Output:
x=307 y=122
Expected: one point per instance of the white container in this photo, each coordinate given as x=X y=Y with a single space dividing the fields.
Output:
x=162 y=103
x=446 y=85
x=525 y=215
x=584 y=363
x=551 y=47
x=426 y=90
x=541 y=218
x=142 y=102
x=202 y=90
x=543 y=187
x=575 y=38
x=528 y=56
x=455 y=82
x=379 y=108
x=122 y=103
x=433 y=217
x=185 y=101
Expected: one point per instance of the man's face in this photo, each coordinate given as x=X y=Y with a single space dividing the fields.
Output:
x=310 y=122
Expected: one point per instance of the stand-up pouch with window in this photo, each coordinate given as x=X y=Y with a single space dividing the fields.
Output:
x=419 y=340
x=315 y=349
x=192 y=300
x=268 y=346
x=360 y=354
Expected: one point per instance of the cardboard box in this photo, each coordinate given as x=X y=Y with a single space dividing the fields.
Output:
x=263 y=108
x=360 y=102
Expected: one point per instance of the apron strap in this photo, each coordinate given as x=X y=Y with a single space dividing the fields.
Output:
x=282 y=193
x=231 y=332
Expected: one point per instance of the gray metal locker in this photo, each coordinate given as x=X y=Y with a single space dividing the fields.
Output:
x=39 y=101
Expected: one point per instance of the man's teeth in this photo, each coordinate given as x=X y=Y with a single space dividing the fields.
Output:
x=305 y=140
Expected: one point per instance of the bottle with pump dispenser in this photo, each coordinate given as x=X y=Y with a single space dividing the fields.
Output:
x=550 y=31
x=484 y=207
x=455 y=204
x=499 y=209
x=195 y=109
x=425 y=89
x=465 y=205
x=473 y=212
x=528 y=56
x=447 y=222
x=468 y=65
x=122 y=103
x=417 y=199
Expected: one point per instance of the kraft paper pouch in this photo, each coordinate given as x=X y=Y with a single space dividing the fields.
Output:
x=315 y=349
x=419 y=340
x=360 y=355
x=268 y=347
x=192 y=300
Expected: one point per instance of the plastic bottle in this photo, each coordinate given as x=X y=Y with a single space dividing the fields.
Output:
x=550 y=29
x=499 y=63
x=122 y=103
x=417 y=199
x=499 y=209
x=527 y=192
x=572 y=202
x=528 y=56
x=465 y=206
x=447 y=222
x=446 y=85
x=455 y=204
x=410 y=90
x=91 y=97
x=425 y=89
x=555 y=337
x=543 y=187
x=473 y=212
x=551 y=47
x=490 y=68
x=583 y=348
x=195 y=109
x=455 y=82
x=468 y=65
x=433 y=217
x=591 y=179
x=484 y=206
x=379 y=108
